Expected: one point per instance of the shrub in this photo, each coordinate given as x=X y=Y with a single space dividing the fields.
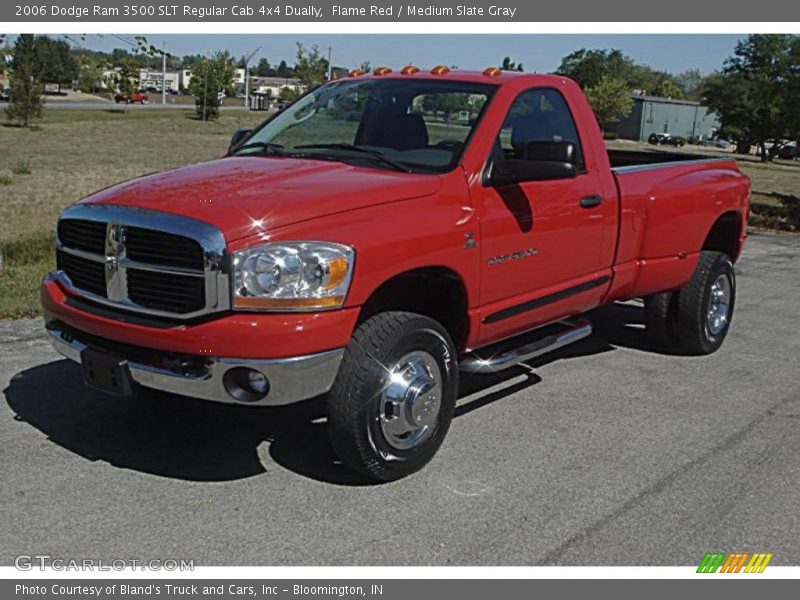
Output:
x=5 y=180
x=610 y=135
x=22 y=167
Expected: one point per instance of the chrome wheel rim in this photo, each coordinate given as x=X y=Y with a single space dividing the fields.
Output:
x=411 y=400
x=719 y=301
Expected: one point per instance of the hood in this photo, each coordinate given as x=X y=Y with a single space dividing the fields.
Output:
x=233 y=193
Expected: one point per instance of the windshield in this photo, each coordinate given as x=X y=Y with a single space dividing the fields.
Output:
x=398 y=124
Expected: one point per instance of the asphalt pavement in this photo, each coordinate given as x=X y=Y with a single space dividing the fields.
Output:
x=607 y=453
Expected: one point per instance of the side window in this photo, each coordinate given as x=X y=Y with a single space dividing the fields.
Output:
x=539 y=115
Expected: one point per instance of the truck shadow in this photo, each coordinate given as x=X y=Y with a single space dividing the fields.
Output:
x=181 y=438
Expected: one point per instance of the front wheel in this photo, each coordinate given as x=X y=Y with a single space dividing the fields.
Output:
x=393 y=399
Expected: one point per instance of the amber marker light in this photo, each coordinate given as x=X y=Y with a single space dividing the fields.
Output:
x=355 y=73
x=253 y=302
x=409 y=70
x=440 y=70
x=492 y=72
x=382 y=71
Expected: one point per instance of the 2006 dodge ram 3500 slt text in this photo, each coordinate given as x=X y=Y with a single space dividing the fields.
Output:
x=378 y=237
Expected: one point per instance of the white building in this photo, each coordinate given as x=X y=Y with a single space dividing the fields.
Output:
x=154 y=79
x=273 y=85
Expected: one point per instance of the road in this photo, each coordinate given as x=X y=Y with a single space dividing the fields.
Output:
x=606 y=453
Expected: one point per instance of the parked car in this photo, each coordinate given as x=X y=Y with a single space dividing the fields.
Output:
x=716 y=143
x=134 y=98
x=665 y=139
x=788 y=151
x=376 y=263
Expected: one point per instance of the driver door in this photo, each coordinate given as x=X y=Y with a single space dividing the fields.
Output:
x=542 y=242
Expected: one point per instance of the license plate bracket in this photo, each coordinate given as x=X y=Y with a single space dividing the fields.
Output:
x=107 y=373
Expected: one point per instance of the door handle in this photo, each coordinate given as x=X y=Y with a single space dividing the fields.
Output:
x=591 y=201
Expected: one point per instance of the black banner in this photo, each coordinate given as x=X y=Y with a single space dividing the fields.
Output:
x=388 y=11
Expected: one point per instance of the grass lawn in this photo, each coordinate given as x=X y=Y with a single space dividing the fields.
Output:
x=75 y=152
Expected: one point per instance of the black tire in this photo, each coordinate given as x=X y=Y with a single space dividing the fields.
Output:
x=695 y=334
x=354 y=403
x=660 y=319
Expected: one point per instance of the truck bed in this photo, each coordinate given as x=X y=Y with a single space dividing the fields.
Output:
x=627 y=160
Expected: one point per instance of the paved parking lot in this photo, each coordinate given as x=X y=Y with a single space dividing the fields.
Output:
x=606 y=453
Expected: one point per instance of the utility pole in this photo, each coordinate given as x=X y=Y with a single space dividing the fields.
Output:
x=247 y=78
x=330 y=67
x=163 y=72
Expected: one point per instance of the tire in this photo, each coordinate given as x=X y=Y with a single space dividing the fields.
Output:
x=366 y=428
x=660 y=319
x=711 y=288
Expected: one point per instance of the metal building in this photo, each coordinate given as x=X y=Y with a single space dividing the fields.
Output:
x=653 y=114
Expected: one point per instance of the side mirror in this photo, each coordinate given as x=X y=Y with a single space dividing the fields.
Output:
x=237 y=137
x=543 y=161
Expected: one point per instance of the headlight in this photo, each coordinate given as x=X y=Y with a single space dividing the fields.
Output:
x=292 y=276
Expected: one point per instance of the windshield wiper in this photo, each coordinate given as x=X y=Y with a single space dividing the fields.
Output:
x=377 y=155
x=266 y=148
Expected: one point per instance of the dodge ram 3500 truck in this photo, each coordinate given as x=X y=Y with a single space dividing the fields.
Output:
x=383 y=236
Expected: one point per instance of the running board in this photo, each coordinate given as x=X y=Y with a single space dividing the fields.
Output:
x=473 y=363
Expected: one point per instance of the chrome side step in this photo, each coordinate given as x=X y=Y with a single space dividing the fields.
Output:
x=492 y=363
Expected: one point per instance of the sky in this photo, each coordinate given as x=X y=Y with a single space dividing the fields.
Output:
x=537 y=52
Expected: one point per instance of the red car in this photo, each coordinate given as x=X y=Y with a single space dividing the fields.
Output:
x=369 y=245
x=135 y=98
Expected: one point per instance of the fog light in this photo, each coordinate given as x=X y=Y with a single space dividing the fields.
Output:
x=246 y=385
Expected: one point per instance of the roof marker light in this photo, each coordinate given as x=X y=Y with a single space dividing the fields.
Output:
x=355 y=73
x=492 y=72
x=382 y=71
x=409 y=70
x=440 y=70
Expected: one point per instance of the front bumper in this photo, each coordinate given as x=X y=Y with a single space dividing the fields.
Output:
x=290 y=379
x=298 y=353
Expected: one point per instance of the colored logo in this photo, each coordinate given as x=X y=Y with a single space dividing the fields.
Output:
x=734 y=562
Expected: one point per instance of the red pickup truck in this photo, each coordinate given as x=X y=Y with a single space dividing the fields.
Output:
x=383 y=236
x=134 y=98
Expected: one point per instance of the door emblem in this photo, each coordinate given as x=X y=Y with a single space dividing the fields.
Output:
x=501 y=259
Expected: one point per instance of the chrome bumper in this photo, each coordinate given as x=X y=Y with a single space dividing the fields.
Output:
x=291 y=379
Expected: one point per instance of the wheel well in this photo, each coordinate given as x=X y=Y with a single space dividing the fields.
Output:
x=724 y=235
x=436 y=292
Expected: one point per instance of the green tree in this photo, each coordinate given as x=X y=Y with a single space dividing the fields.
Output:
x=125 y=78
x=55 y=62
x=692 y=82
x=311 y=68
x=263 y=68
x=366 y=67
x=754 y=93
x=26 y=102
x=610 y=99
x=91 y=77
x=212 y=78
x=284 y=70
x=509 y=65
x=288 y=94
x=588 y=67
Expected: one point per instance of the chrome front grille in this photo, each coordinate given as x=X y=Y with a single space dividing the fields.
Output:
x=142 y=261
